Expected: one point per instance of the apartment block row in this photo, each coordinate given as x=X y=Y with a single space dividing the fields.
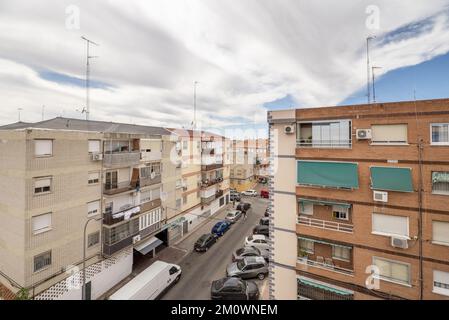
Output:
x=360 y=201
x=126 y=190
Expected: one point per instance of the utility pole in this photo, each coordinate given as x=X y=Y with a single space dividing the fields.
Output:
x=88 y=57
x=194 y=104
x=374 y=83
x=368 y=68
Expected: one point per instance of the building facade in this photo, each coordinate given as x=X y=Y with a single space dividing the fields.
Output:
x=359 y=204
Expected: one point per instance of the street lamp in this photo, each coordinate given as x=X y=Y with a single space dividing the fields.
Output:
x=84 y=254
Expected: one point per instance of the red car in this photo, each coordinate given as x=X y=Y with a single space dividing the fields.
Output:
x=264 y=194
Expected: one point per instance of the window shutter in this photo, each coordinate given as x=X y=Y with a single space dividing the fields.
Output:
x=41 y=222
x=42 y=183
x=389 y=133
x=93 y=208
x=94 y=176
x=441 y=232
x=43 y=147
x=94 y=146
x=441 y=277
x=388 y=224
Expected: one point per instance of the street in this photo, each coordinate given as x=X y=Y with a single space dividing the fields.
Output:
x=200 y=269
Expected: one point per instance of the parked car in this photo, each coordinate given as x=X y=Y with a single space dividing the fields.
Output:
x=258 y=241
x=220 y=228
x=234 y=197
x=234 y=289
x=243 y=206
x=244 y=252
x=264 y=193
x=233 y=215
x=261 y=229
x=150 y=284
x=205 y=242
x=248 y=268
x=267 y=213
x=264 y=221
x=250 y=193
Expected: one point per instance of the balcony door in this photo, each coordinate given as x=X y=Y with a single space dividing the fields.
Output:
x=111 y=180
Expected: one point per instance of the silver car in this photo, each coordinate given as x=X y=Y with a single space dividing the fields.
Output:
x=244 y=252
x=248 y=268
x=233 y=215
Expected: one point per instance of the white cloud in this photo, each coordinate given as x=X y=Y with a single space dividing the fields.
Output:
x=244 y=54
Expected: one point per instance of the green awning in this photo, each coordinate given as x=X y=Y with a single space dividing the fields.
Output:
x=324 y=287
x=324 y=203
x=391 y=179
x=328 y=174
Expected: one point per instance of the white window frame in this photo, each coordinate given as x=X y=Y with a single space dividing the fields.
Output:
x=44 y=267
x=306 y=212
x=43 y=192
x=380 y=277
x=440 y=290
x=97 y=211
x=89 y=146
x=431 y=135
x=386 y=234
x=89 y=179
x=436 y=241
x=441 y=193
x=41 y=230
x=346 y=212
x=341 y=258
x=43 y=155
x=308 y=250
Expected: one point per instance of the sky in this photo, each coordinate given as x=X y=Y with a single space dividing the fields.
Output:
x=247 y=56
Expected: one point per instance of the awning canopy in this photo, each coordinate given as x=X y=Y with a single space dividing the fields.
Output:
x=391 y=179
x=148 y=245
x=328 y=174
x=324 y=203
x=324 y=287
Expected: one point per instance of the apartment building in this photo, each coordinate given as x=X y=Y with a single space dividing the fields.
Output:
x=204 y=182
x=360 y=201
x=63 y=175
x=243 y=164
x=262 y=165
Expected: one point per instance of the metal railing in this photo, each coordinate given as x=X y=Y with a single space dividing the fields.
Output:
x=115 y=188
x=323 y=224
x=323 y=265
x=111 y=160
x=310 y=143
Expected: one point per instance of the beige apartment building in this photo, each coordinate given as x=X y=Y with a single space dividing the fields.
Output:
x=62 y=175
x=359 y=204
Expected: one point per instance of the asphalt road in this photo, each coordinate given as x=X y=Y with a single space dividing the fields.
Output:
x=200 y=269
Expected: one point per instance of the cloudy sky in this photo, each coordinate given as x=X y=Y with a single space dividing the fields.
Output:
x=248 y=56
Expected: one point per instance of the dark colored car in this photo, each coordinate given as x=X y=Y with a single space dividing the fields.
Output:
x=261 y=229
x=244 y=206
x=244 y=252
x=220 y=228
x=205 y=242
x=267 y=212
x=235 y=197
x=264 y=221
x=234 y=289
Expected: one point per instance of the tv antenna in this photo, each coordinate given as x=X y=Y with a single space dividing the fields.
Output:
x=88 y=57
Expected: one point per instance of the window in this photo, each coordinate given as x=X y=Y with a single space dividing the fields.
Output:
x=145 y=196
x=440 y=134
x=340 y=212
x=94 y=146
x=389 y=133
x=94 y=178
x=306 y=245
x=43 y=148
x=440 y=183
x=341 y=253
x=178 y=203
x=111 y=180
x=93 y=208
x=335 y=134
x=116 y=146
x=185 y=145
x=178 y=183
x=151 y=170
x=389 y=225
x=150 y=219
x=440 y=233
x=441 y=282
x=41 y=223
x=184 y=199
x=393 y=271
x=42 y=261
x=108 y=208
x=42 y=185
x=93 y=239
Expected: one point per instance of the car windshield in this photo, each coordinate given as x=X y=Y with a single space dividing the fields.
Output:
x=202 y=239
x=219 y=284
x=240 y=251
x=241 y=264
x=250 y=238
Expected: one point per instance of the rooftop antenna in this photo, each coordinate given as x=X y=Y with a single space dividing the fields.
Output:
x=19 y=110
x=88 y=57
x=374 y=86
x=368 y=67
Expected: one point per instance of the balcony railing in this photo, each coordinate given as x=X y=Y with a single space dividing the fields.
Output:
x=326 y=266
x=113 y=160
x=208 y=183
x=328 y=225
x=151 y=156
x=333 y=144
x=208 y=200
x=210 y=167
x=130 y=212
x=150 y=181
x=115 y=188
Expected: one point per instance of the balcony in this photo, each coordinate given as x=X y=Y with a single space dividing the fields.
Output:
x=211 y=167
x=327 y=264
x=208 y=183
x=208 y=200
x=130 y=212
x=125 y=159
x=116 y=188
x=330 y=144
x=119 y=237
x=151 y=156
x=328 y=225
x=144 y=182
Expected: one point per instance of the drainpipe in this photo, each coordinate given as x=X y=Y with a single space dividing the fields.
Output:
x=420 y=218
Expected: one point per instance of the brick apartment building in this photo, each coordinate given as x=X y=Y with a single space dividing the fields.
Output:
x=360 y=201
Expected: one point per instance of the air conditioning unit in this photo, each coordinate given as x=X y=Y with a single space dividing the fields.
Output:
x=399 y=243
x=380 y=196
x=363 y=134
x=97 y=156
x=289 y=129
x=136 y=239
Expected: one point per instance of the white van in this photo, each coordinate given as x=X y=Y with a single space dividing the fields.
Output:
x=151 y=283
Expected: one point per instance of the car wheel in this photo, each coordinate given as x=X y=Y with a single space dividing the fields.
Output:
x=177 y=279
x=261 y=276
